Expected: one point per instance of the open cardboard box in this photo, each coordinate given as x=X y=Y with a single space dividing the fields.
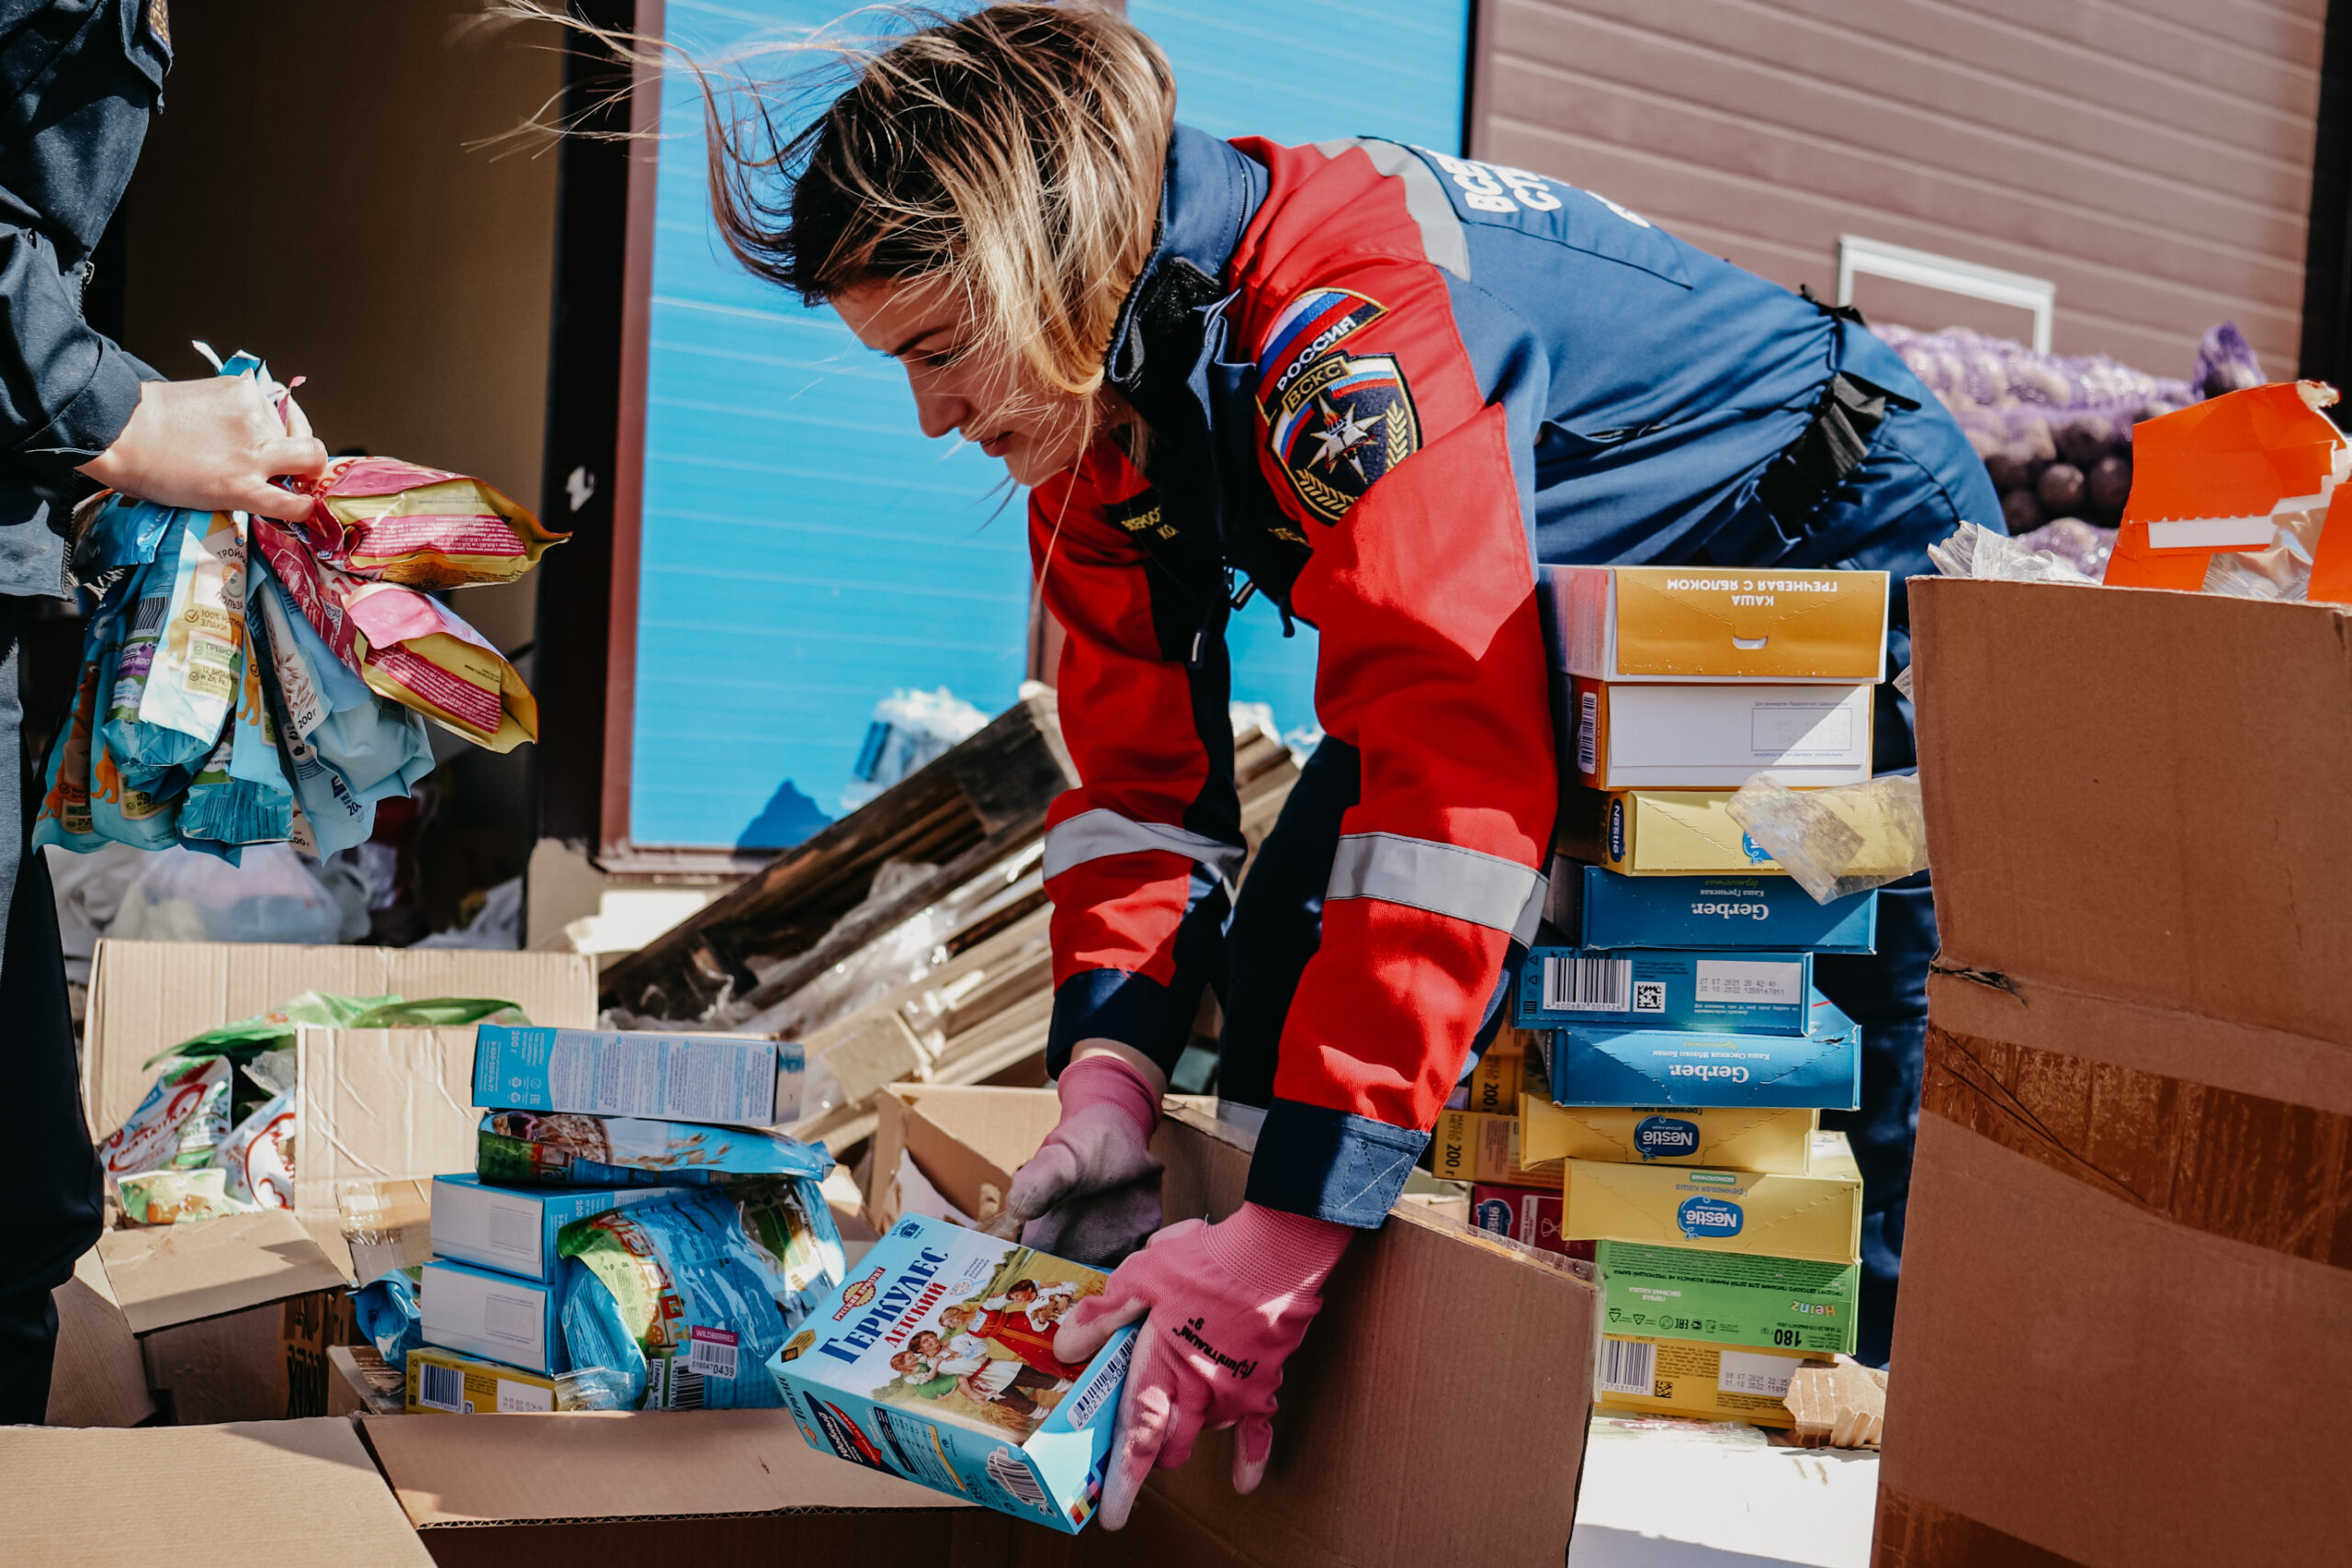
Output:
x=199 y=1497
x=376 y=1107
x=1438 y=1412
x=2125 y=1330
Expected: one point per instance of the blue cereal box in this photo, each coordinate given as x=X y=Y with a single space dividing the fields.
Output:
x=1755 y=993
x=1726 y=911
x=528 y=1148
x=512 y=1229
x=604 y=1072
x=1606 y=1064
x=936 y=1363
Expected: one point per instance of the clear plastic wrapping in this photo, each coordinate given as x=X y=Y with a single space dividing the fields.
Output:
x=1837 y=841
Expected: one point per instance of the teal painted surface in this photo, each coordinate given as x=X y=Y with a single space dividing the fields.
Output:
x=805 y=549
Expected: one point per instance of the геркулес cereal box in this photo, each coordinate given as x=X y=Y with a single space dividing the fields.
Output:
x=935 y=1363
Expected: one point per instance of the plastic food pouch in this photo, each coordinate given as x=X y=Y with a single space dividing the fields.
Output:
x=1840 y=840
x=671 y=1297
x=258 y=1155
x=65 y=815
x=327 y=814
x=154 y=759
x=169 y=1197
x=241 y=796
x=387 y=1313
x=121 y=810
x=378 y=747
x=183 y=1116
x=116 y=531
x=426 y=527
x=192 y=684
x=407 y=647
x=794 y=1240
x=524 y=1148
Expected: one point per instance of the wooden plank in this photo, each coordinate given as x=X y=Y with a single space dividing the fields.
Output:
x=967 y=809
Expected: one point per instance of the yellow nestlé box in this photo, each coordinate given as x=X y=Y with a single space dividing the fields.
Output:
x=1676 y=832
x=1683 y=1377
x=1816 y=1217
x=1726 y=1137
x=1666 y=623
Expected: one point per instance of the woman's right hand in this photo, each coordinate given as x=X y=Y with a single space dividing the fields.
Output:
x=213 y=444
x=1091 y=1193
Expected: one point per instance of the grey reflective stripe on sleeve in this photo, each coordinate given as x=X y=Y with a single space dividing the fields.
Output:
x=1445 y=879
x=1092 y=835
x=1442 y=240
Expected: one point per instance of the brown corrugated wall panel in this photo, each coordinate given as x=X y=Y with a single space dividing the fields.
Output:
x=2153 y=158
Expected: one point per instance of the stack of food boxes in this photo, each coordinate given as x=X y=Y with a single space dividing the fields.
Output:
x=1686 y=1053
x=583 y=1123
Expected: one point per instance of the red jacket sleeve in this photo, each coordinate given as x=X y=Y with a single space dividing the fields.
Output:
x=1379 y=445
x=1139 y=858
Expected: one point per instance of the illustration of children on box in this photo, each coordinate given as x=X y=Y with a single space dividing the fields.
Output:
x=990 y=1362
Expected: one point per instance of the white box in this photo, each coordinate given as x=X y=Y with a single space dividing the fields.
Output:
x=1701 y=737
x=497 y=1317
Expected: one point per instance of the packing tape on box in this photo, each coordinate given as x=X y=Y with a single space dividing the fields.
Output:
x=2021 y=1097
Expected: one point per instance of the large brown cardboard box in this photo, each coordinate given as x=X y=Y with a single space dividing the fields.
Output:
x=1437 y=1411
x=2125 y=1333
x=199 y=1497
x=98 y=1378
x=375 y=1108
x=233 y=1316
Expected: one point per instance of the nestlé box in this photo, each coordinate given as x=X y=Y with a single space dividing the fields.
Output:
x=1816 y=1218
x=1728 y=1137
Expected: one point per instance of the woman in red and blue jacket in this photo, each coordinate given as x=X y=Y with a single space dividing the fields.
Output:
x=1377 y=384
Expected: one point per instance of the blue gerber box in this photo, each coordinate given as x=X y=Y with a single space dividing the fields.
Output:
x=512 y=1229
x=604 y=1072
x=1739 y=912
x=1608 y=1065
x=1754 y=993
x=934 y=1363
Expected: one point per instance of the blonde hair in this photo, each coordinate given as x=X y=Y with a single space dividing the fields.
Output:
x=1013 y=155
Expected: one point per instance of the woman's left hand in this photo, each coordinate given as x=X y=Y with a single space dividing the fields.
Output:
x=1224 y=1305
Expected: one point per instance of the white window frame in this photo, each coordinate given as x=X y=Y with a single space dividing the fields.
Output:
x=1858 y=256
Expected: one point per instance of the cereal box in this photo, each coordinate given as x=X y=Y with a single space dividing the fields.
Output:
x=1757 y=992
x=935 y=1363
x=1726 y=1137
x=1729 y=1298
x=1715 y=1382
x=1609 y=1065
x=1742 y=909
x=604 y=1072
x=1524 y=1214
x=457 y=1384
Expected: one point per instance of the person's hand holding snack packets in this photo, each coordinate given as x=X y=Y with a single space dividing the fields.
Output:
x=1222 y=1306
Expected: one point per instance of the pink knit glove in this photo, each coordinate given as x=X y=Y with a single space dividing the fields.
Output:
x=1091 y=1193
x=1223 y=1305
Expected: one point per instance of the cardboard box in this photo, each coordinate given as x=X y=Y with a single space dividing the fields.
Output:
x=2138 y=1081
x=1037 y=1452
x=1753 y=992
x=1815 y=1218
x=452 y=1384
x=1606 y=909
x=1672 y=623
x=739 y=1079
x=1353 y=1471
x=1467 y=1145
x=249 y=1492
x=146 y=997
x=1524 y=1215
x=233 y=1317
x=1729 y=1298
x=1605 y=1064
x=1494 y=1084
x=496 y=1316
x=360 y=1382
x=1681 y=1377
x=1727 y=1138
x=1622 y=736
x=1666 y=832
x=512 y=1230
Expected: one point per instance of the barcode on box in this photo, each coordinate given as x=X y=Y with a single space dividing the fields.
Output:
x=1587 y=985
x=1013 y=1474
x=685 y=1387
x=1588 y=734
x=1628 y=1367
x=710 y=1352
x=441 y=1388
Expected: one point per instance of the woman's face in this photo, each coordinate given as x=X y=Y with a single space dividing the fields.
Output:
x=994 y=399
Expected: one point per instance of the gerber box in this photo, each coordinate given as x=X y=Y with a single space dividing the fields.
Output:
x=1608 y=1065
x=1760 y=993
x=1601 y=909
x=2129 y=1197
x=860 y=1378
